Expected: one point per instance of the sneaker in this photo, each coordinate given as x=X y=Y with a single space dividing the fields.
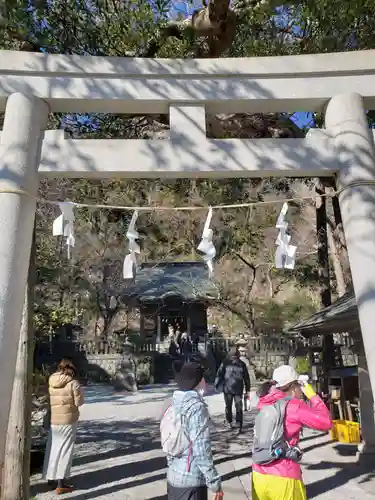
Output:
x=229 y=425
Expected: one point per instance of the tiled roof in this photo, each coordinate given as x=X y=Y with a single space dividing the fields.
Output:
x=339 y=317
x=187 y=281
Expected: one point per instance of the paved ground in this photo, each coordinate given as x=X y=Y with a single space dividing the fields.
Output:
x=118 y=455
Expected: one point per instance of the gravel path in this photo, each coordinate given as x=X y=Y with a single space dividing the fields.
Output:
x=118 y=455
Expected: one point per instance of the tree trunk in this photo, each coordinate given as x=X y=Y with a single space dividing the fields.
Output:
x=335 y=258
x=16 y=477
x=321 y=233
x=324 y=278
x=339 y=238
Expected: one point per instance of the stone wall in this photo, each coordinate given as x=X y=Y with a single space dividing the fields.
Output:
x=100 y=362
x=106 y=363
x=267 y=353
x=104 y=367
x=266 y=362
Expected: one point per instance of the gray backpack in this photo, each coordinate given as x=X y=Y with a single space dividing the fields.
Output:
x=270 y=443
x=174 y=440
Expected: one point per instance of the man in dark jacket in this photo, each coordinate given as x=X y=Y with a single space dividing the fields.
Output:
x=233 y=377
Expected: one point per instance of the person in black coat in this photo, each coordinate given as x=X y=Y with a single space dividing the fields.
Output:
x=233 y=377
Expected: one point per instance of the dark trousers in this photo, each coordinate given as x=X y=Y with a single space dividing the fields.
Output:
x=198 y=493
x=237 y=398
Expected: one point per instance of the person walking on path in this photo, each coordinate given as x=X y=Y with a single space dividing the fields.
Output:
x=281 y=478
x=233 y=377
x=186 y=347
x=243 y=357
x=66 y=397
x=191 y=472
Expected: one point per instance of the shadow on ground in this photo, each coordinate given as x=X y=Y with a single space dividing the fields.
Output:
x=106 y=440
x=103 y=440
x=363 y=469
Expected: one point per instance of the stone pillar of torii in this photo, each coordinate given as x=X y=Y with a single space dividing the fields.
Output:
x=188 y=90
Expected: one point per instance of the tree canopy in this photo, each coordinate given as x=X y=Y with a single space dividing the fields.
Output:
x=166 y=28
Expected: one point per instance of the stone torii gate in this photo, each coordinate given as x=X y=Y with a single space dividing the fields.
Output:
x=32 y=85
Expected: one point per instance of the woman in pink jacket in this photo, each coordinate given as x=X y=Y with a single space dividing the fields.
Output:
x=282 y=479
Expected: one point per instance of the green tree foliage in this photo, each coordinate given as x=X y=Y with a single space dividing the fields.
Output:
x=49 y=319
x=303 y=365
x=128 y=27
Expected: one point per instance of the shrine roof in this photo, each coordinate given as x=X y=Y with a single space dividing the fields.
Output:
x=186 y=281
x=339 y=317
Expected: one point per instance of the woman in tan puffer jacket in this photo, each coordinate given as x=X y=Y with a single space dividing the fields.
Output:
x=66 y=397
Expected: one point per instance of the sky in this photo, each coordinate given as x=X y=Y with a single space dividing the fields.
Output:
x=303 y=119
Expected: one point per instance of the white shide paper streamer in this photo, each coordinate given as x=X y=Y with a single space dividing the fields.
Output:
x=63 y=225
x=285 y=256
x=130 y=261
x=206 y=246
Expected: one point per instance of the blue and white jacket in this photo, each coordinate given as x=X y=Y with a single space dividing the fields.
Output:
x=196 y=466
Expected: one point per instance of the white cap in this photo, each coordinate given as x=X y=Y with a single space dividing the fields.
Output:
x=284 y=375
